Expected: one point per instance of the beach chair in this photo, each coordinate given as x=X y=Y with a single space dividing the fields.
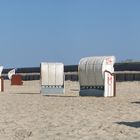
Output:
x=96 y=76
x=52 y=78
x=1 y=80
x=16 y=79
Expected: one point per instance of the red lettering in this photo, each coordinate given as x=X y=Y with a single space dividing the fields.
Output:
x=109 y=80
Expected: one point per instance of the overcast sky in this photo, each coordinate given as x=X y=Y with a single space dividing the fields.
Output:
x=32 y=31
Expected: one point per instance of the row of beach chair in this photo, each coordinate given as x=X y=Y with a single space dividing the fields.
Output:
x=96 y=77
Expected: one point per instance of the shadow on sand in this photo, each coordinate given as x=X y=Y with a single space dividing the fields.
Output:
x=137 y=102
x=131 y=124
x=25 y=93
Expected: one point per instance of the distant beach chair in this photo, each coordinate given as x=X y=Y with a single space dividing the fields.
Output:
x=1 y=80
x=96 y=76
x=52 y=78
x=16 y=79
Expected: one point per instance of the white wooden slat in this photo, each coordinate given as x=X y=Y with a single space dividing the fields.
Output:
x=51 y=72
x=44 y=74
x=59 y=79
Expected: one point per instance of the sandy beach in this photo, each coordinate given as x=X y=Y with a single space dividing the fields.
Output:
x=27 y=115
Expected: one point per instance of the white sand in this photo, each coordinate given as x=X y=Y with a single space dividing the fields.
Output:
x=27 y=115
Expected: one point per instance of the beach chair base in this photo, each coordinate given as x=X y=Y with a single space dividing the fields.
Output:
x=92 y=91
x=52 y=90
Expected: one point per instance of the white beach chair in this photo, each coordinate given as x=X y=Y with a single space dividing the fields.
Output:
x=52 y=78
x=1 y=80
x=96 y=76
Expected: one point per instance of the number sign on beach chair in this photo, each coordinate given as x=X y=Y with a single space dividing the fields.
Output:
x=96 y=76
x=52 y=78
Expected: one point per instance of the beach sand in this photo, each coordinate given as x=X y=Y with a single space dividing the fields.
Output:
x=27 y=115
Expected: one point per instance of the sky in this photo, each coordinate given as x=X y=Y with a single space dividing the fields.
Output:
x=35 y=31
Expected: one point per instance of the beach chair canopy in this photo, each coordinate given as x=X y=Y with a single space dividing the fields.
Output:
x=91 y=70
